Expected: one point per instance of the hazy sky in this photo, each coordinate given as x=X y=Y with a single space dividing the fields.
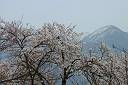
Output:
x=88 y=15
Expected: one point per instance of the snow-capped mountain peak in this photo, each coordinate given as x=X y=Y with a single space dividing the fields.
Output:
x=110 y=35
x=109 y=29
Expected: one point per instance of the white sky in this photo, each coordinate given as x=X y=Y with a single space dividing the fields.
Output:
x=88 y=15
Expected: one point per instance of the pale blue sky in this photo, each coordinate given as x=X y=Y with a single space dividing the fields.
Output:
x=88 y=15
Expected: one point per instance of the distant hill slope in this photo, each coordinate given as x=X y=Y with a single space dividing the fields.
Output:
x=110 y=35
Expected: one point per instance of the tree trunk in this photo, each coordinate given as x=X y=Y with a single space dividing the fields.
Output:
x=32 y=81
x=63 y=81
x=64 y=77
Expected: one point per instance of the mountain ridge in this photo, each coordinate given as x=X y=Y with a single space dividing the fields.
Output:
x=109 y=35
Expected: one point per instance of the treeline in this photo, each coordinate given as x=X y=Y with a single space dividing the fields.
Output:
x=54 y=55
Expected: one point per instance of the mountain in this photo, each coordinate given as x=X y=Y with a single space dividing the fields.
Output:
x=110 y=35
